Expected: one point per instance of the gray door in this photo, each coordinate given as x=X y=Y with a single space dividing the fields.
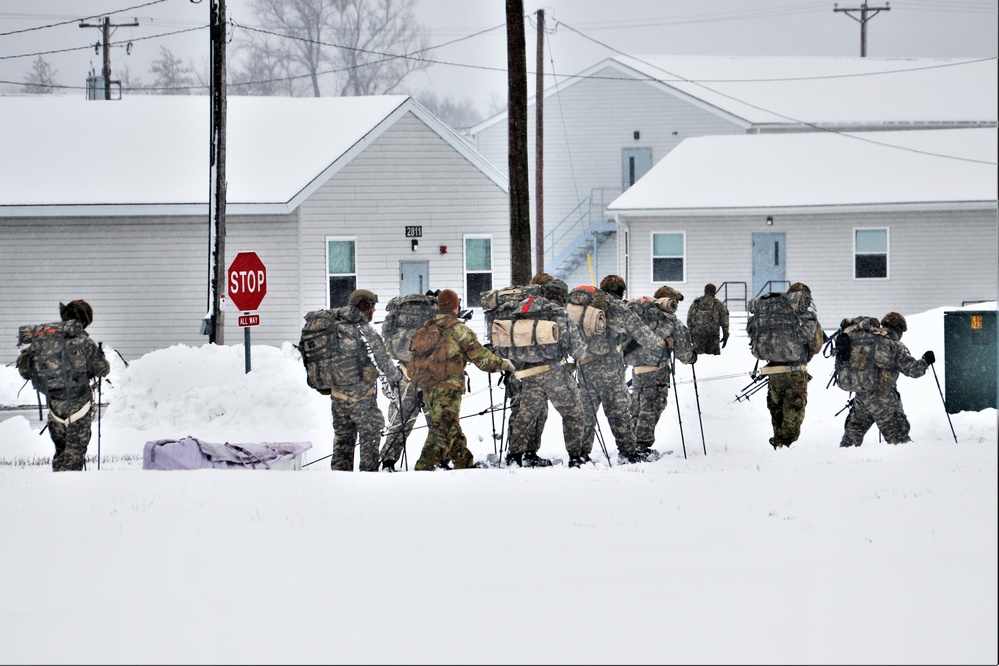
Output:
x=635 y=162
x=769 y=262
x=414 y=277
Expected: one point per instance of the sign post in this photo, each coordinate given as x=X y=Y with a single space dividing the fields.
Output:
x=247 y=285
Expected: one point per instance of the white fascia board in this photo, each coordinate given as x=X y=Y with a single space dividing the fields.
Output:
x=141 y=210
x=806 y=210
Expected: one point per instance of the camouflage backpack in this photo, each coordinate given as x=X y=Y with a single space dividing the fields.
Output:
x=780 y=327
x=333 y=350
x=588 y=308
x=528 y=332
x=649 y=311
x=55 y=359
x=430 y=363
x=862 y=350
x=497 y=302
x=702 y=318
x=405 y=315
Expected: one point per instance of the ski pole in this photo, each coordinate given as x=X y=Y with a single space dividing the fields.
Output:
x=944 y=401
x=679 y=419
x=697 y=396
x=492 y=413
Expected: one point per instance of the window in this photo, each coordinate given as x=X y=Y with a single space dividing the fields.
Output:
x=870 y=253
x=478 y=269
x=668 y=257
x=341 y=271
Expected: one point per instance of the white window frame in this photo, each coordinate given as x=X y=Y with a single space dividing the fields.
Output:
x=466 y=271
x=653 y=256
x=887 y=253
x=326 y=266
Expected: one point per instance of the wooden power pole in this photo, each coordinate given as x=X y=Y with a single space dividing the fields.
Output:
x=520 y=195
x=864 y=18
x=539 y=150
x=105 y=27
x=217 y=270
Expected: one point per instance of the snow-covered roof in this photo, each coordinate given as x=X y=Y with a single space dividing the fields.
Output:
x=150 y=154
x=913 y=168
x=791 y=90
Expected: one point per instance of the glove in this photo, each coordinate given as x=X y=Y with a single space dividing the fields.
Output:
x=693 y=355
x=508 y=367
x=929 y=358
x=724 y=340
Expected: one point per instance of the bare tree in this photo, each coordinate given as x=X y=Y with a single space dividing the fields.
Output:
x=261 y=70
x=41 y=79
x=367 y=46
x=129 y=81
x=173 y=77
x=457 y=114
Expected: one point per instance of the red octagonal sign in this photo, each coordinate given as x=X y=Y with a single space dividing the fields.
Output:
x=247 y=281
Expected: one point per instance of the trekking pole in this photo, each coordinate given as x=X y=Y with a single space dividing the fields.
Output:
x=847 y=406
x=679 y=419
x=944 y=401
x=492 y=413
x=502 y=434
x=698 y=398
x=99 y=382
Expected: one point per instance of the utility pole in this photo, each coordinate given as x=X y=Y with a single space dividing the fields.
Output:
x=864 y=18
x=217 y=270
x=105 y=27
x=539 y=150
x=520 y=195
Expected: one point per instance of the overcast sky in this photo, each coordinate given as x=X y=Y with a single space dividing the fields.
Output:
x=473 y=62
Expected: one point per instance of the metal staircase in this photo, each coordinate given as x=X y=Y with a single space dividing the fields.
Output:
x=581 y=232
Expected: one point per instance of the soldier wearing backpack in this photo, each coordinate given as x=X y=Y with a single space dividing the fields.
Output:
x=61 y=360
x=882 y=403
x=706 y=316
x=337 y=348
x=652 y=369
x=785 y=332
x=441 y=349
x=538 y=337
x=601 y=371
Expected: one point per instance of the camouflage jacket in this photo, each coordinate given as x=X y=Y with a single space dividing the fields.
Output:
x=376 y=346
x=623 y=326
x=97 y=366
x=464 y=348
x=671 y=330
x=902 y=362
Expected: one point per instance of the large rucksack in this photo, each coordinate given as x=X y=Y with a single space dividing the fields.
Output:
x=405 y=315
x=703 y=318
x=649 y=311
x=333 y=350
x=55 y=359
x=862 y=350
x=781 y=326
x=430 y=363
x=588 y=308
x=528 y=332
x=497 y=302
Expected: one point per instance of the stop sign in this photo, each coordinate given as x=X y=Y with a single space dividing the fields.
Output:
x=247 y=281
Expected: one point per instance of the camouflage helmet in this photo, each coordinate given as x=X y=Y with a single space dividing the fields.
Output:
x=895 y=322
x=79 y=310
x=541 y=278
x=359 y=295
x=556 y=290
x=666 y=291
x=614 y=284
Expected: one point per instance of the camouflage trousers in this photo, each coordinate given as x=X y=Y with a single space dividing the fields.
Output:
x=603 y=383
x=706 y=344
x=870 y=407
x=356 y=423
x=558 y=386
x=787 y=396
x=71 y=441
x=446 y=440
x=649 y=397
x=514 y=390
x=402 y=414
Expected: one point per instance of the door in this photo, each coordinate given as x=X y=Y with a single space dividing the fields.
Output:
x=769 y=262
x=414 y=277
x=635 y=162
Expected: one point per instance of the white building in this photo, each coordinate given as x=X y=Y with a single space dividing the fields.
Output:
x=108 y=201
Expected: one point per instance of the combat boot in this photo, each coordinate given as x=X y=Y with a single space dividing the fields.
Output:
x=533 y=460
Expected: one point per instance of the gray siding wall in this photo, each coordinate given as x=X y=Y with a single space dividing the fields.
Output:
x=587 y=126
x=936 y=258
x=147 y=278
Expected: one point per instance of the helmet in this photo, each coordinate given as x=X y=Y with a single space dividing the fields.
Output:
x=79 y=310
x=668 y=292
x=555 y=290
x=895 y=322
x=359 y=295
x=614 y=284
x=541 y=278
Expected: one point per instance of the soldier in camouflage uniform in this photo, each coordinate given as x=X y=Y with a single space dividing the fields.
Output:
x=884 y=404
x=538 y=383
x=602 y=375
x=705 y=317
x=70 y=419
x=787 y=393
x=652 y=368
x=357 y=419
x=442 y=400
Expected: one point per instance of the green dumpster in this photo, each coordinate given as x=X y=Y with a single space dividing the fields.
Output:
x=971 y=360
